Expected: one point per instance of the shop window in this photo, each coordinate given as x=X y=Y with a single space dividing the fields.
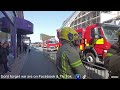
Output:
x=10 y=15
x=1 y=16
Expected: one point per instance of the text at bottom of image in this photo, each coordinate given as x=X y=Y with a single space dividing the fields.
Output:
x=35 y=76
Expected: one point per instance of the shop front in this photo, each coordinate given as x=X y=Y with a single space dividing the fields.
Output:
x=12 y=29
x=24 y=28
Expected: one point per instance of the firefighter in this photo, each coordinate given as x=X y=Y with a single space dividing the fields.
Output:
x=112 y=59
x=68 y=59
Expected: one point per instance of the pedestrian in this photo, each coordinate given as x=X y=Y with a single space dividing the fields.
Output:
x=68 y=59
x=112 y=59
x=1 y=53
x=4 y=54
x=26 y=48
x=29 y=48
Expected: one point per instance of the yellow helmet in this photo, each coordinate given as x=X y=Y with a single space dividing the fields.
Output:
x=69 y=34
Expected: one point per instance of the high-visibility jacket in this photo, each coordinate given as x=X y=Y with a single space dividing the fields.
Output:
x=69 y=62
x=112 y=60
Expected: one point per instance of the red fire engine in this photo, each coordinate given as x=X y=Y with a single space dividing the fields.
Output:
x=96 y=40
x=51 y=44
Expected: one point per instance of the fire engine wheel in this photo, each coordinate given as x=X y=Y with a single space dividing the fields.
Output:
x=90 y=58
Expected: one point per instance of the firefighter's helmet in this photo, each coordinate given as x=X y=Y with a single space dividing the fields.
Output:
x=69 y=34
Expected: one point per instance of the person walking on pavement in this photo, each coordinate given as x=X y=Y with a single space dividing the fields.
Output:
x=29 y=48
x=25 y=47
x=112 y=59
x=4 y=53
x=68 y=59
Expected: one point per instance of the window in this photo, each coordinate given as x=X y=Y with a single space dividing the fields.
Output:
x=80 y=14
x=83 y=25
x=3 y=35
x=10 y=15
x=1 y=16
x=95 y=32
x=79 y=26
x=98 y=13
x=52 y=42
x=79 y=20
x=75 y=27
x=98 y=19
x=94 y=21
x=80 y=34
x=92 y=33
x=88 y=23
x=75 y=22
x=88 y=17
x=72 y=24
x=83 y=19
x=110 y=31
x=94 y=14
x=83 y=12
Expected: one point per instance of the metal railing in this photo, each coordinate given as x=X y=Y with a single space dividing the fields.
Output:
x=95 y=71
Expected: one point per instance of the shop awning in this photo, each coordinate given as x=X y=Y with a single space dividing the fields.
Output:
x=24 y=26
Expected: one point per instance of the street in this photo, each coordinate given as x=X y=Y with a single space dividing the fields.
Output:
x=38 y=64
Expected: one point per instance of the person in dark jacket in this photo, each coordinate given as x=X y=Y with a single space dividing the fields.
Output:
x=5 y=53
x=0 y=53
x=112 y=59
x=25 y=47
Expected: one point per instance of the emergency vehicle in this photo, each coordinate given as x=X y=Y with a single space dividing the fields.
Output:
x=44 y=44
x=96 y=39
x=51 y=44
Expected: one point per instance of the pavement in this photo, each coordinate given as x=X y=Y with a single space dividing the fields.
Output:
x=17 y=66
x=34 y=63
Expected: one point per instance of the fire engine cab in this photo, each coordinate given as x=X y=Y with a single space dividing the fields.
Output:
x=51 y=44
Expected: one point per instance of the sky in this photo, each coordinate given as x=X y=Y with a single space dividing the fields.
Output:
x=46 y=22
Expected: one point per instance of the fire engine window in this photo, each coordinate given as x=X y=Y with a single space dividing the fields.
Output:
x=80 y=35
x=92 y=33
x=52 y=42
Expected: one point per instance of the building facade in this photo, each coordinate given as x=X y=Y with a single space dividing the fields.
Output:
x=12 y=27
x=85 y=18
